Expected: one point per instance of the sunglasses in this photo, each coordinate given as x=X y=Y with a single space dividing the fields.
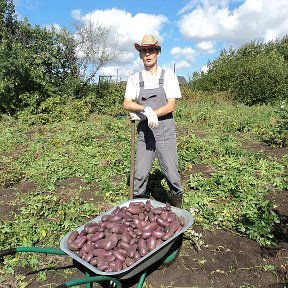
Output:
x=150 y=50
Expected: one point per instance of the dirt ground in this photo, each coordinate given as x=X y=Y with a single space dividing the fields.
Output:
x=217 y=259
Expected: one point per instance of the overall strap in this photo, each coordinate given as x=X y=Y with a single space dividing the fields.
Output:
x=161 y=79
x=141 y=82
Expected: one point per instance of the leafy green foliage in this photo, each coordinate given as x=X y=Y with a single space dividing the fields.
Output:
x=37 y=64
x=255 y=73
x=277 y=133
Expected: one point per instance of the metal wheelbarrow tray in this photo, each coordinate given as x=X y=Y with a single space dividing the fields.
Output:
x=145 y=261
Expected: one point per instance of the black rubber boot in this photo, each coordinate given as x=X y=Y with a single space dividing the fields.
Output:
x=176 y=200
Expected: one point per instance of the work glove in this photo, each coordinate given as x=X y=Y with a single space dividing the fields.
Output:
x=151 y=116
x=137 y=116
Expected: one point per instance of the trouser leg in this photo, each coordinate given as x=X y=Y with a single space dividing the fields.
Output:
x=168 y=160
x=144 y=160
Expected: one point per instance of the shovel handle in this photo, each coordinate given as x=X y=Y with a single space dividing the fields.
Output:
x=132 y=160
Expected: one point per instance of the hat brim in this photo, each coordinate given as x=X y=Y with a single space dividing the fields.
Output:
x=138 y=47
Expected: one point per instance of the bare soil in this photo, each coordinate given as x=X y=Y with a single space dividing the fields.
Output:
x=220 y=259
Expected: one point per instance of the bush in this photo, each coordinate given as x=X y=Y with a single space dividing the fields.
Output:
x=256 y=73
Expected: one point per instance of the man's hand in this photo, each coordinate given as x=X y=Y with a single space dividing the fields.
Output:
x=151 y=116
x=137 y=116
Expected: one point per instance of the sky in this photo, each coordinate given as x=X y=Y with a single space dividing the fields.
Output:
x=191 y=32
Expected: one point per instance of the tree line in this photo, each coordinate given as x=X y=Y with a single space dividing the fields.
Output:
x=41 y=68
x=256 y=73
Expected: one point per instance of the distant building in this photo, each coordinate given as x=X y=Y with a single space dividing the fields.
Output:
x=182 y=81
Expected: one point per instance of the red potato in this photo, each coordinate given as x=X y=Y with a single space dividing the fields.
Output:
x=119 y=256
x=157 y=211
x=126 y=237
x=134 y=241
x=158 y=234
x=181 y=220
x=72 y=246
x=124 y=245
x=80 y=242
x=109 y=225
x=151 y=243
x=72 y=237
x=162 y=222
x=117 y=228
x=91 y=227
x=171 y=217
x=148 y=206
x=109 y=242
x=138 y=232
x=137 y=256
x=159 y=242
x=88 y=257
x=102 y=267
x=118 y=265
x=111 y=258
x=88 y=247
x=146 y=234
x=168 y=206
x=100 y=253
x=149 y=228
x=164 y=215
x=151 y=216
x=93 y=261
x=175 y=226
x=142 y=216
x=135 y=209
x=142 y=247
x=105 y=218
x=116 y=218
x=137 y=223
x=116 y=211
x=82 y=233
x=97 y=236
x=167 y=235
x=129 y=261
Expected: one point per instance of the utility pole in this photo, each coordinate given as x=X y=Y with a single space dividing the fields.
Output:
x=174 y=68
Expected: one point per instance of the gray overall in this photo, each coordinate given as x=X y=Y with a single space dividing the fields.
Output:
x=159 y=141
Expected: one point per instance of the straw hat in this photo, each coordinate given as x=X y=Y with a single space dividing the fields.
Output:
x=147 y=41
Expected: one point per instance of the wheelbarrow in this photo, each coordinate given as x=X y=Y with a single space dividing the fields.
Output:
x=164 y=252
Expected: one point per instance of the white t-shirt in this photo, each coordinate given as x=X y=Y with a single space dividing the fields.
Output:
x=171 y=84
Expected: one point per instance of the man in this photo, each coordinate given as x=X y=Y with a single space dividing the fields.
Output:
x=151 y=97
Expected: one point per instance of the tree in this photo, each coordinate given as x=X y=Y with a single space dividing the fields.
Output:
x=96 y=47
x=38 y=64
x=8 y=19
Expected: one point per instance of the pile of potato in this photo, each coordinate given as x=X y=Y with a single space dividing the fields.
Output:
x=124 y=236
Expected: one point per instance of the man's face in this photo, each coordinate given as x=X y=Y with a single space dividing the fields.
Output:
x=149 y=56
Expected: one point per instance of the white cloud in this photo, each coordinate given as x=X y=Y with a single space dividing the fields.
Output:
x=187 y=52
x=254 y=19
x=206 y=46
x=182 y=64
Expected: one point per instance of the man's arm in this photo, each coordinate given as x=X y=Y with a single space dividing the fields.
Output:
x=132 y=106
x=167 y=108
